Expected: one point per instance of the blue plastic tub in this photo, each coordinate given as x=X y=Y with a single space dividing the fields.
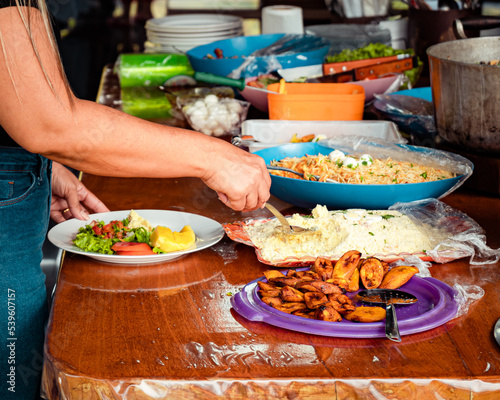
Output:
x=304 y=50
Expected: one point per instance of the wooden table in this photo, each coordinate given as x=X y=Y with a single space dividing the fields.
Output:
x=168 y=331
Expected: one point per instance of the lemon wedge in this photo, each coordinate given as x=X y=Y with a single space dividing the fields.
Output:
x=166 y=240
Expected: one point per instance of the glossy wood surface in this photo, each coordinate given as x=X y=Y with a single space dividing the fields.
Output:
x=168 y=331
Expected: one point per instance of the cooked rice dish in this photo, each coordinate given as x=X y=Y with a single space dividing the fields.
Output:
x=374 y=171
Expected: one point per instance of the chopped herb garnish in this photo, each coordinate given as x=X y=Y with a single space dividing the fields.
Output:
x=424 y=175
x=371 y=233
x=387 y=216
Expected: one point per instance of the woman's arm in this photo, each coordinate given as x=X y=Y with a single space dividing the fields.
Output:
x=103 y=141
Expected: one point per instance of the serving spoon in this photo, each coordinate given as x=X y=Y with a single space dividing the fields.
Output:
x=388 y=297
x=285 y=225
x=275 y=168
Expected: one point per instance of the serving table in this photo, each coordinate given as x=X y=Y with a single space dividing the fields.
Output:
x=168 y=331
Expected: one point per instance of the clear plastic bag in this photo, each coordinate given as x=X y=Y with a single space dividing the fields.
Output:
x=465 y=295
x=412 y=114
x=382 y=149
x=465 y=238
x=214 y=115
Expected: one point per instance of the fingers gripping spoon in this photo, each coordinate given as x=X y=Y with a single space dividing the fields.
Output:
x=388 y=297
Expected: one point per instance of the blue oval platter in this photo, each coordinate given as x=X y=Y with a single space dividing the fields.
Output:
x=308 y=194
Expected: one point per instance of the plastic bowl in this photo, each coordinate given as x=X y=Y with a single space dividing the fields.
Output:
x=307 y=50
x=317 y=102
x=308 y=194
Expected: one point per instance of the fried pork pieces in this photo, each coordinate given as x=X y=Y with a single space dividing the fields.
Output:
x=320 y=293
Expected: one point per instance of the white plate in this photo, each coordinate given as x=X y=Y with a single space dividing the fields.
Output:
x=187 y=41
x=194 y=22
x=194 y=34
x=208 y=232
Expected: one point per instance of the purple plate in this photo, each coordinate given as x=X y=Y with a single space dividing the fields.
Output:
x=435 y=306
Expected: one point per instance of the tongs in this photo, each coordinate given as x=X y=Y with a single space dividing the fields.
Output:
x=388 y=297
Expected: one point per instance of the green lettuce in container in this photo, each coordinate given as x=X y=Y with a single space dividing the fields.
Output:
x=374 y=50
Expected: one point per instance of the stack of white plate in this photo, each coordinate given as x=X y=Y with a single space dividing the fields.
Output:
x=180 y=33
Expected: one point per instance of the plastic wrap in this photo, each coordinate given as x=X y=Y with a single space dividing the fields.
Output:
x=464 y=296
x=412 y=114
x=266 y=57
x=381 y=149
x=465 y=237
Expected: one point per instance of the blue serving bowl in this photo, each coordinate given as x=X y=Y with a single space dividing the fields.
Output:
x=339 y=196
x=305 y=50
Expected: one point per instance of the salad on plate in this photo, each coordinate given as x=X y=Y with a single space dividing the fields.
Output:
x=132 y=236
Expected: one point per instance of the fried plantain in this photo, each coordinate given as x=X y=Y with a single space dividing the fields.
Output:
x=269 y=293
x=325 y=287
x=315 y=299
x=285 y=281
x=366 y=314
x=291 y=307
x=353 y=283
x=398 y=276
x=346 y=265
x=306 y=313
x=290 y=294
x=327 y=313
x=371 y=273
x=323 y=268
x=272 y=301
x=270 y=274
x=266 y=286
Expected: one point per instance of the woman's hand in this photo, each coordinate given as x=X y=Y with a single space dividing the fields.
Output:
x=240 y=179
x=70 y=197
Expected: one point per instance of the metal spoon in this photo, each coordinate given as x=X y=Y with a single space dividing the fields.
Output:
x=496 y=332
x=285 y=226
x=388 y=297
x=275 y=168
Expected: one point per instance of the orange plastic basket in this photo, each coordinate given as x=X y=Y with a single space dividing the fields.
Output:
x=316 y=102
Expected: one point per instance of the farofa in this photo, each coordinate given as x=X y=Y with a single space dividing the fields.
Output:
x=336 y=232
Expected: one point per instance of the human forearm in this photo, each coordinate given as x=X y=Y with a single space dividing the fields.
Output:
x=103 y=141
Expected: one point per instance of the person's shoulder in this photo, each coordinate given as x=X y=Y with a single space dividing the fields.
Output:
x=9 y=3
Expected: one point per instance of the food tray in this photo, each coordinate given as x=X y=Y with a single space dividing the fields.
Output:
x=267 y=133
x=236 y=231
x=435 y=306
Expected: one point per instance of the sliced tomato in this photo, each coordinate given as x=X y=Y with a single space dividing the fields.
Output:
x=132 y=249
x=97 y=230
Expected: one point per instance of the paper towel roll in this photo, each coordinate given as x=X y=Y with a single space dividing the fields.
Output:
x=282 y=19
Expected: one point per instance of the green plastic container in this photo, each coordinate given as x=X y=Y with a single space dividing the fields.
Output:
x=170 y=70
x=152 y=70
x=146 y=103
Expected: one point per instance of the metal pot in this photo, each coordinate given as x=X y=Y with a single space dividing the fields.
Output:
x=466 y=94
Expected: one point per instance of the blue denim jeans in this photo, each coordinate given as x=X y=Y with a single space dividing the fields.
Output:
x=25 y=193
